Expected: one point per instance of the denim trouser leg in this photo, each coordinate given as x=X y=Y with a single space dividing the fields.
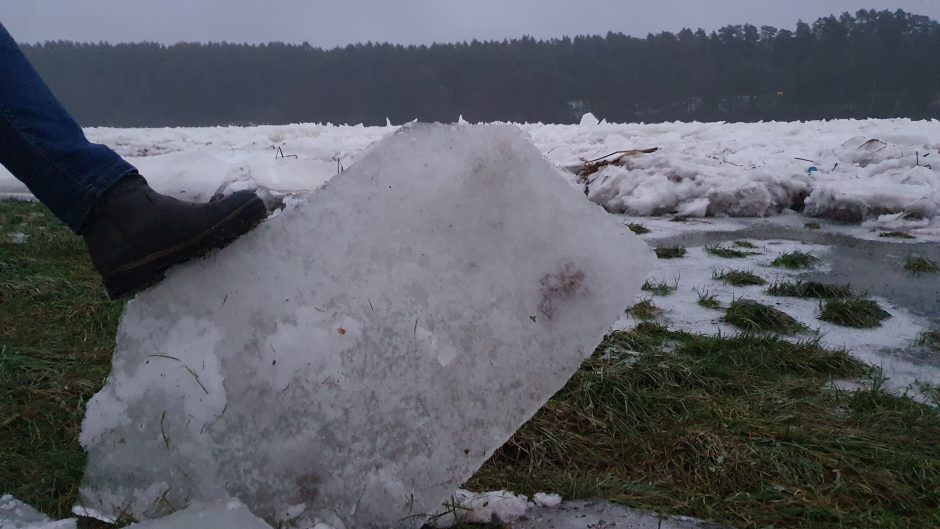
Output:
x=44 y=147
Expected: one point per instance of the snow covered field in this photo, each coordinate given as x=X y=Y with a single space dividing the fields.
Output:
x=845 y=170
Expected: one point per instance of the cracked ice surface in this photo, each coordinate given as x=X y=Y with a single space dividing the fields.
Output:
x=357 y=357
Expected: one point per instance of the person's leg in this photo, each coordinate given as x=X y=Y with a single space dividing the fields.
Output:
x=133 y=234
x=42 y=146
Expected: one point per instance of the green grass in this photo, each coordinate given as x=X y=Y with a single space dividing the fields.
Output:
x=679 y=218
x=795 y=260
x=708 y=300
x=931 y=339
x=738 y=278
x=745 y=244
x=753 y=316
x=728 y=253
x=812 y=226
x=896 y=235
x=809 y=289
x=853 y=312
x=56 y=336
x=920 y=265
x=670 y=252
x=645 y=310
x=738 y=430
x=638 y=229
x=659 y=287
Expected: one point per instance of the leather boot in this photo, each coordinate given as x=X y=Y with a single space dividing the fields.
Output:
x=134 y=234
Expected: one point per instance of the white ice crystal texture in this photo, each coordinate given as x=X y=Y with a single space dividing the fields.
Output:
x=358 y=356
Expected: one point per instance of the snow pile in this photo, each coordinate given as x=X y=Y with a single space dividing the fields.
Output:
x=877 y=178
x=543 y=499
x=464 y=506
x=658 y=184
x=482 y=507
x=844 y=170
x=594 y=514
x=848 y=170
x=15 y=514
x=196 y=163
x=485 y=507
x=357 y=357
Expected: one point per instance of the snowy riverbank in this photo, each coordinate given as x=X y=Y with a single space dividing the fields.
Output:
x=851 y=170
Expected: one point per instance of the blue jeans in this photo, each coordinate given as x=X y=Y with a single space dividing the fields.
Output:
x=45 y=148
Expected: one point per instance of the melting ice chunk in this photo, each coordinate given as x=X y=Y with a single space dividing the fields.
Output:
x=357 y=357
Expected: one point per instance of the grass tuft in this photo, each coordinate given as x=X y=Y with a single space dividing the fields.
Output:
x=738 y=278
x=896 y=235
x=745 y=244
x=728 y=253
x=708 y=300
x=645 y=310
x=809 y=289
x=812 y=226
x=659 y=287
x=795 y=260
x=670 y=252
x=920 y=265
x=638 y=229
x=679 y=218
x=854 y=312
x=753 y=316
x=931 y=340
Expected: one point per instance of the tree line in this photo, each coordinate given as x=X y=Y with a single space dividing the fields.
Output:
x=870 y=64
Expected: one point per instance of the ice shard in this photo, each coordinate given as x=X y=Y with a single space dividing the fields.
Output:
x=231 y=515
x=358 y=356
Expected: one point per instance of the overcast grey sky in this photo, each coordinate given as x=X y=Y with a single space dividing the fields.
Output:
x=329 y=23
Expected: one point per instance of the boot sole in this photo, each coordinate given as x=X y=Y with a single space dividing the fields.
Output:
x=143 y=273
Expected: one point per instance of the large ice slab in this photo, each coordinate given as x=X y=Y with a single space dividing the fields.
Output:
x=357 y=357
